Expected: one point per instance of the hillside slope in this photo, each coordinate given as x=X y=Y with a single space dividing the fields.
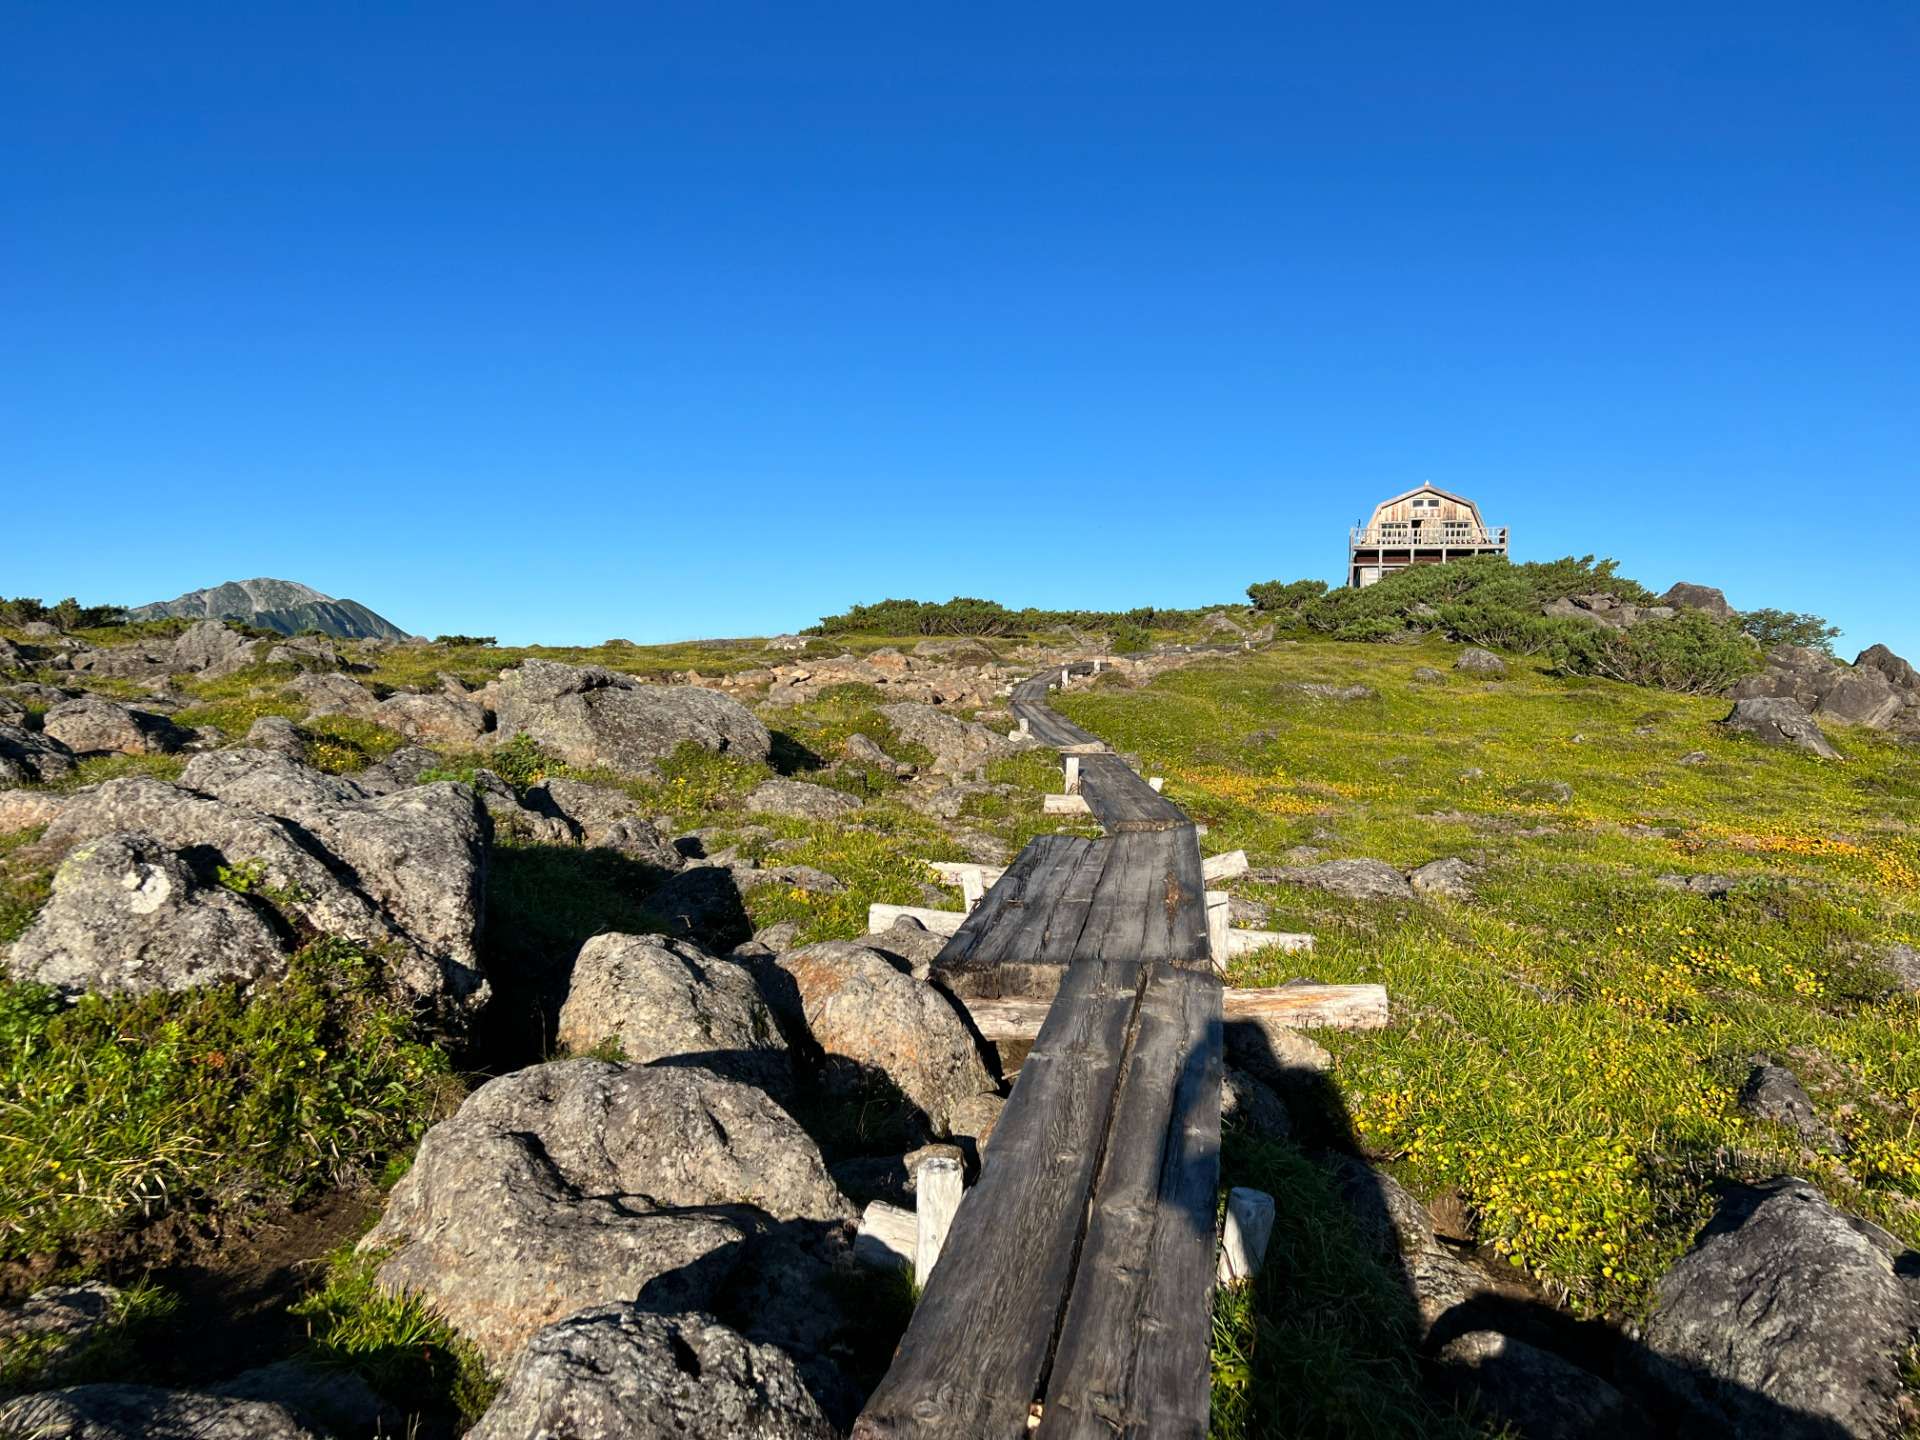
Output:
x=282 y=605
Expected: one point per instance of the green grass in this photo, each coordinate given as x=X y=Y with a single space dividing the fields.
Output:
x=115 y=1108
x=24 y=887
x=1320 y=1343
x=1566 y=1049
x=411 y=1357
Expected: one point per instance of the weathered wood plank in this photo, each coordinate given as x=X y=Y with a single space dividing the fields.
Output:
x=1120 y=800
x=1294 y=1007
x=1132 y=1355
x=1149 y=904
x=1028 y=926
x=970 y=1363
x=940 y=922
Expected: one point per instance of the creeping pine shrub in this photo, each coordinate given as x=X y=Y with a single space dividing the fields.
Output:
x=1769 y=628
x=1692 y=653
x=1277 y=597
x=123 y=1106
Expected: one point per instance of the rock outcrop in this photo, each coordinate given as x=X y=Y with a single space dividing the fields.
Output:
x=619 y=1370
x=879 y=1026
x=660 y=999
x=1879 y=690
x=27 y=757
x=1684 y=595
x=403 y=874
x=589 y=715
x=142 y=1412
x=127 y=917
x=1787 y=1318
x=1779 y=722
x=584 y=1182
x=801 y=801
x=93 y=725
x=958 y=747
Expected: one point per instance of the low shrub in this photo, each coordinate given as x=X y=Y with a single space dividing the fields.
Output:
x=1691 y=653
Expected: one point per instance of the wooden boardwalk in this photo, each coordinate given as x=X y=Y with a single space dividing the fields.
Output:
x=1079 y=1271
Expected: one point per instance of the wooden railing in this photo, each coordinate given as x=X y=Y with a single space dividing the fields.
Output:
x=1428 y=537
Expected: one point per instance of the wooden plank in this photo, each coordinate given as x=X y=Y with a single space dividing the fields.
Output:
x=887 y=1237
x=1120 y=800
x=1162 y=869
x=1025 y=931
x=1245 y=942
x=971 y=1361
x=1216 y=868
x=1132 y=1355
x=1294 y=1007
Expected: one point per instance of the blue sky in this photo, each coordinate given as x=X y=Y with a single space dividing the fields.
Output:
x=561 y=321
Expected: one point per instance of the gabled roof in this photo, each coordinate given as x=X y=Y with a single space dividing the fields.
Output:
x=1428 y=489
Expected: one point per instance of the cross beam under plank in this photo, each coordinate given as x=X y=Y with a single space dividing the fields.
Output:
x=976 y=1350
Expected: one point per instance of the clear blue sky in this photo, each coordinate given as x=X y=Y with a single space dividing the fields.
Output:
x=564 y=321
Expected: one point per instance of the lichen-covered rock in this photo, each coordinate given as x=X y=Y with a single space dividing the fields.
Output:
x=94 y=725
x=435 y=719
x=800 y=800
x=958 y=747
x=142 y=1412
x=1475 y=661
x=583 y=1182
x=127 y=917
x=604 y=818
x=1683 y=595
x=1252 y=1105
x=1779 y=721
x=1451 y=877
x=617 y=1372
x=1787 y=1318
x=1399 y=1231
x=1352 y=879
x=874 y=1022
x=593 y=716
x=277 y=734
x=405 y=767
x=404 y=874
x=56 y=1322
x=214 y=650
x=332 y=694
x=27 y=757
x=1774 y=1094
x=661 y=999
x=703 y=903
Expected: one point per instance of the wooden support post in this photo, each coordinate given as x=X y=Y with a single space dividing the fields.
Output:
x=1072 y=764
x=938 y=1184
x=1156 y=783
x=886 y=1237
x=1243 y=1240
x=972 y=890
x=1063 y=677
x=1216 y=868
x=1025 y=726
x=1219 y=922
x=940 y=922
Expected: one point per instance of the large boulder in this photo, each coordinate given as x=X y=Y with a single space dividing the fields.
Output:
x=621 y=1371
x=1475 y=661
x=94 y=725
x=666 y=1000
x=704 y=904
x=403 y=874
x=1788 y=1318
x=127 y=917
x=1878 y=657
x=593 y=716
x=1779 y=722
x=584 y=1182
x=801 y=801
x=958 y=747
x=1683 y=595
x=142 y=1412
x=1862 y=697
x=1879 y=690
x=29 y=758
x=214 y=650
x=875 y=1023
x=327 y=693
x=433 y=719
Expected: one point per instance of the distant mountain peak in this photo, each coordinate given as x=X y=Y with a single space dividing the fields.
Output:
x=285 y=606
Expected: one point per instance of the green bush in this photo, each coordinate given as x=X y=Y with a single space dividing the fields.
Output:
x=1692 y=653
x=1769 y=628
x=1284 y=598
